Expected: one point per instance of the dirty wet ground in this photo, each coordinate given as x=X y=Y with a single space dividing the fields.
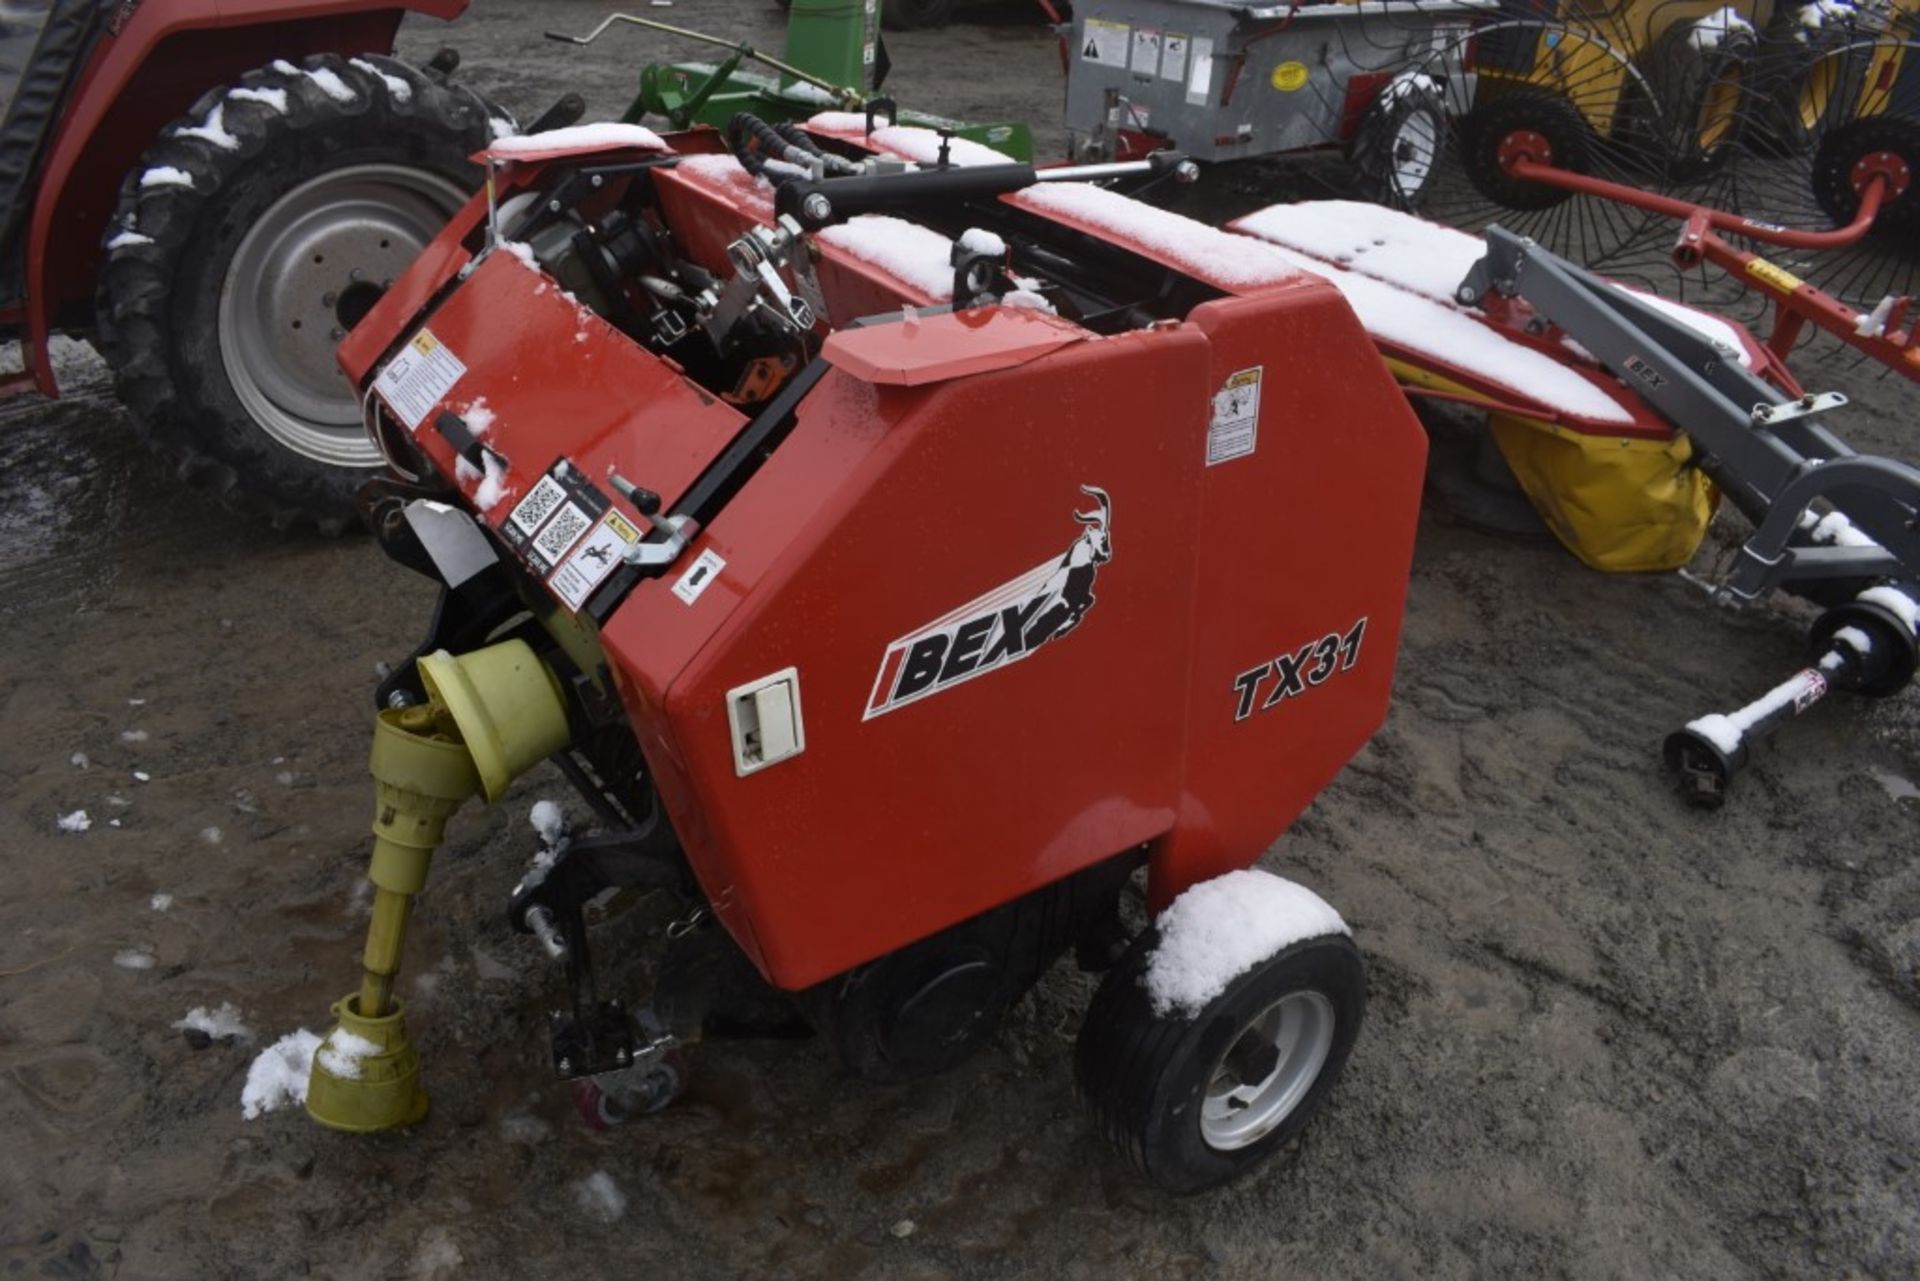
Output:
x=1608 y=1036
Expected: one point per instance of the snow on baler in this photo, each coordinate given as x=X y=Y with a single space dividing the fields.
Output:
x=897 y=560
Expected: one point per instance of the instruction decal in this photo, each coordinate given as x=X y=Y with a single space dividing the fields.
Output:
x=593 y=559
x=1200 y=77
x=1001 y=627
x=418 y=378
x=1779 y=277
x=1173 y=57
x=1234 y=430
x=699 y=576
x=1297 y=672
x=1106 y=42
x=1146 y=51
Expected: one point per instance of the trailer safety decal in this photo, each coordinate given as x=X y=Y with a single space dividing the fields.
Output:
x=1234 y=430
x=1173 y=57
x=1002 y=626
x=1290 y=675
x=418 y=378
x=1105 y=42
x=1146 y=52
x=699 y=576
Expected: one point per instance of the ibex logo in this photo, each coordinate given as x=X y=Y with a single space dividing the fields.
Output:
x=1003 y=626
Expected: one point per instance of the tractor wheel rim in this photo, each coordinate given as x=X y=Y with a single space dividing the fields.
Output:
x=305 y=273
x=1416 y=145
x=1282 y=1049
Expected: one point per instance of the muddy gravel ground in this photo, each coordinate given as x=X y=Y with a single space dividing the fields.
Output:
x=1608 y=1037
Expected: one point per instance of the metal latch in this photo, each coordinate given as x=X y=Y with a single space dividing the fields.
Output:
x=764 y=718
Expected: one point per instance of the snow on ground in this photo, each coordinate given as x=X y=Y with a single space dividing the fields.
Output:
x=133 y=958
x=213 y=129
x=79 y=760
x=219 y=1024
x=921 y=258
x=599 y=136
x=211 y=835
x=1219 y=929
x=600 y=1197
x=1207 y=252
x=549 y=820
x=160 y=902
x=133 y=736
x=397 y=89
x=278 y=1076
x=77 y=821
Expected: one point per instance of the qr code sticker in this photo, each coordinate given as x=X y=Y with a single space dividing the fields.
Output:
x=534 y=508
x=561 y=532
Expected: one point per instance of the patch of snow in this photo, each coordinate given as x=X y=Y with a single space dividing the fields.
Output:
x=1444 y=333
x=905 y=1228
x=600 y=136
x=79 y=760
x=1726 y=730
x=213 y=129
x=493 y=486
x=801 y=91
x=284 y=778
x=133 y=958
x=918 y=257
x=1854 y=639
x=136 y=702
x=479 y=418
x=1219 y=257
x=978 y=240
x=1819 y=14
x=141 y=776
x=601 y=1197
x=909 y=142
x=397 y=89
x=1409 y=82
x=1219 y=929
x=1375 y=241
x=219 y=1024
x=332 y=85
x=523 y=251
x=549 y=820
x=166 y=176
x=118 y=801
x=211 y=835
x=1706 y=324
x=133 y=736
x=74 y=822
x=160 y=902
x=1873 y=324
x=1897 y=787
x=1836 y=529
x=1027 y=298
x=275 y=99
x=753 y=194
x=127 y=239
x=341 y=1052
x=278 y=1075
x=1901 y=604
x=1718 y=27
x=522 y=1127
x=501 y=127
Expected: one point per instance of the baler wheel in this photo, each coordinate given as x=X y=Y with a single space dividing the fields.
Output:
x=1196 y=1101
x=248 y=239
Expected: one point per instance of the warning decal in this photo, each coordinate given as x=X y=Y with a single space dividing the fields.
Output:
x=1234 y=429
x=537 y=505
x=1105 y=42
x=1173 y=57
x=1200 y=77
x=1146 y=51
x=596 y=556
x=418 y=378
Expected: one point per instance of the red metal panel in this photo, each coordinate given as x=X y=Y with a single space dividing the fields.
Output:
x=949 y=345
x=890 y=827
x=1300 y=539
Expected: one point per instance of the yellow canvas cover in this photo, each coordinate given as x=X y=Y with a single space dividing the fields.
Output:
x=1620 y=504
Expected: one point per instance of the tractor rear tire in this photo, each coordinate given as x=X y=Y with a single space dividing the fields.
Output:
x=1161 y=1086
x=248 y=240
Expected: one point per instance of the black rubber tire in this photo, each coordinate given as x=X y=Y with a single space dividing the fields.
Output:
x=1702 y=95
x=1143 y=1076
x=1380 y=140
x=1484 y=128
x=160 y=296
x=1842 y=148
x=915 y=15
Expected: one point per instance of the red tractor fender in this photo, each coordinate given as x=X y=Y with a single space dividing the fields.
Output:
x=153 y=63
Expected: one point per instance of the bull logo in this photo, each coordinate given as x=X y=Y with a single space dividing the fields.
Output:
x=1005 y=625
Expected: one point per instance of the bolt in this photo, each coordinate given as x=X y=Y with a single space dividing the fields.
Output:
x=329 y=298
x=566 y=1066
x=620 y=1056
x=553 y=206
x=354 y=274
x=599 y=180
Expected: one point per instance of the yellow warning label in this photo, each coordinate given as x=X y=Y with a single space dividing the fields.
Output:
x=1289 y=76
x=622 y=527
x=1778 y=277
x=425 y=343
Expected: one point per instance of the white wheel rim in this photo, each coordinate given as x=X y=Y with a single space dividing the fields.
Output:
x=1415 y=145
x=1283 y=1049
